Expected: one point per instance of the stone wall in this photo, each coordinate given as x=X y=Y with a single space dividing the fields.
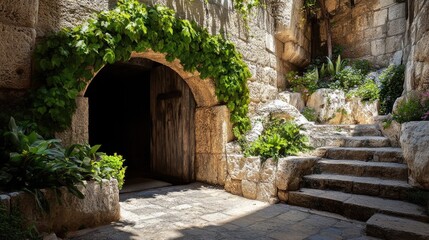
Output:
x=100 y=206
x=417 y=51
x=372 y=30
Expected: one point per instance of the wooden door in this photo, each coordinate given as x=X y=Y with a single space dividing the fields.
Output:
x=172 y=108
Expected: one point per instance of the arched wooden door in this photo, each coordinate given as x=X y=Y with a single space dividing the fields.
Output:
x=172 y=108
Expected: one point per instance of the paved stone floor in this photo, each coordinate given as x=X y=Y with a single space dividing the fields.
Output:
x=198 y=211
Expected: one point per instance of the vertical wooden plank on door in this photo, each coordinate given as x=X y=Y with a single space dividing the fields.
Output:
x=172 y=108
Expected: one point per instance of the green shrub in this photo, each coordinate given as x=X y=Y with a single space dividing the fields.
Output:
x=368 y=91
x=347 y=79
x=111 y=167
x=12 y=226
x=310 y=114
x=409 y=110
x=364 y=66
x=303 y=84
x=280 y=138
x=392 y=81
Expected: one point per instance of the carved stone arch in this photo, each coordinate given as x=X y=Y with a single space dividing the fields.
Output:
x=212 y=121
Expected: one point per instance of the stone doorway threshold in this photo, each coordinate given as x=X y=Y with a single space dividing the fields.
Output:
x=140 y=184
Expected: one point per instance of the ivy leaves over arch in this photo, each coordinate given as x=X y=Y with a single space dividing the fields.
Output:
x=67 y=60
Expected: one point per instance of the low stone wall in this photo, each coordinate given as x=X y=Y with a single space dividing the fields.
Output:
x=100 y=206
x=267 y=181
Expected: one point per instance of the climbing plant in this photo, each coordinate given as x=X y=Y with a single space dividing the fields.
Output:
x=67 y=60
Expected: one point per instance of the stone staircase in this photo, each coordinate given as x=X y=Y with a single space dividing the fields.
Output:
x=361 y=177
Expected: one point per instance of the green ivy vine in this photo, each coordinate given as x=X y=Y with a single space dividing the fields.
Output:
x=66 y=61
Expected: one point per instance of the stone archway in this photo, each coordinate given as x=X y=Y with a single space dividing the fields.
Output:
x=212 y=124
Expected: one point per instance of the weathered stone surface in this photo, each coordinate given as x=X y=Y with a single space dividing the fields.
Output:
x=249 y=189
x=78 y=130
x=397 y=11
x=16 y=48
x=235 y=165
x=363 y=112
x=252 y=168
x=396 y=27
x=281 y=109
x=208 y=168
x=212 y=129
x=233 y=186
x=392 y=131
x=282 y=195
x=267 y=192
x=19 y=12
x=415 y=144
x=268 y=171
x=100 y=206
x=293 y=98
x=55 y=15
x=326 y=103
x=291 y=169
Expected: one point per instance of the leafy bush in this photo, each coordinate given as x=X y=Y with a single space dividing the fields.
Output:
x=347 y=79
x=368 y=91
x=392 y=81
x=409 y=110
x=364 y=66
x=310 y=114
x=280 y=138
x=12 y=226
x=303 y=84
x=111 y=167
x=36 y=163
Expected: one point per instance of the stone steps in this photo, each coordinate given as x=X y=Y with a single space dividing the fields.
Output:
x=383 y=170
x=349 y=141
x=350 y=130
x=394 y=228
x=385 y=154
x=392 y=189
x=354 y=206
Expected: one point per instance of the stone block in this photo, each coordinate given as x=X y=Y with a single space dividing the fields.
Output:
x=249 y=189
x=396 y=27
x=270 y=43
x=268 y=171
x=235 y=166
x=383 y=3
x=267 y=192
x=78 y=130
x=293 y=98
x=252 y=168
x=393 y=44
x=55 y=15
x=16 y=48
x=415 y=144
x=212 y=129
x=376 y=32
x=21 y=13
x=283 y=195
x=210 y=168
x=233 y=186
x=397 y=11
x=291 y=169
x=380 y=17
x=378 y=47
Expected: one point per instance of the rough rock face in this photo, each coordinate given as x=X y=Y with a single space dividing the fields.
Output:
x=100 y=206
x=415 y=145
x=392 y=131
x=333 y=107
x=291 y=169
x=293 y=98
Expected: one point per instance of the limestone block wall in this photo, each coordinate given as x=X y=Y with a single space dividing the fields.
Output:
x=417 y=51
x=372 y=30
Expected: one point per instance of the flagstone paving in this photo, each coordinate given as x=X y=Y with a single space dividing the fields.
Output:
x=198 y=211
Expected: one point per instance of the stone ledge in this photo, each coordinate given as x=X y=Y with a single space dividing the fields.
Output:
x=100 y=206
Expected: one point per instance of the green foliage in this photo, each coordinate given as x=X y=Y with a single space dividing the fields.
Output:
x=347 y=78
x=332 y=69
x=66 y=61
x=364 y=66
x=244 y=7
x=304 y=84
x=368 y=91
x=310 y=114
x=280 y=138
x=392 y=81
x=409 y=110
x=36 y=163
x=111 y=167
x=12 y=226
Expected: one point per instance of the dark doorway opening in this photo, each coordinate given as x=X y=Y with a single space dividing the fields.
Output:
x=144 y=111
